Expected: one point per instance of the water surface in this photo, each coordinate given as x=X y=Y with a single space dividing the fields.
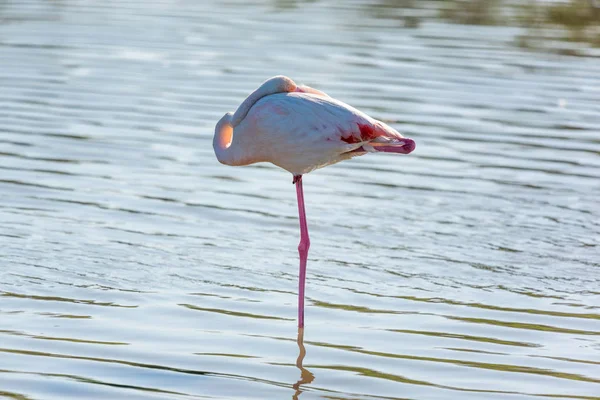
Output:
x=134 y=266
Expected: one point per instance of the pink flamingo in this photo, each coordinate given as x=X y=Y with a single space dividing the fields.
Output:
x=300 y=129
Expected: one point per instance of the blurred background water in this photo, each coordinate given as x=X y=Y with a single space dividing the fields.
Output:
x=134 y=266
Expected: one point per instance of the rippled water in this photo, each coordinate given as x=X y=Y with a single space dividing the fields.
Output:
x=134 y=266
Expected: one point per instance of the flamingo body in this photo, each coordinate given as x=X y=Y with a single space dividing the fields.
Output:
x=300 y=129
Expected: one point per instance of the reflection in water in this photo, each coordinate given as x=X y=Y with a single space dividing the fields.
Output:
x=305 y=375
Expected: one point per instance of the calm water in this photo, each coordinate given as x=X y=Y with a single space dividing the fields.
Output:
x=134 y=266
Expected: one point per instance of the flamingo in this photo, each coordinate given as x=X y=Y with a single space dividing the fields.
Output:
x=300 y=129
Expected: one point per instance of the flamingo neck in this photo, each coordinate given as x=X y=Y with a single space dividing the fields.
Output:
x=277 y=84
x=225 y=149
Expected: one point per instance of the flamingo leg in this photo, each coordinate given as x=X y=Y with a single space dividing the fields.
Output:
x=302 y=249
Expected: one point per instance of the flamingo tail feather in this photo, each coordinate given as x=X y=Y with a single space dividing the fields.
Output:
x=395 y=145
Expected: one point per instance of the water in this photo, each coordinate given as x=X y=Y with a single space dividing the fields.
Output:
x=134 y=266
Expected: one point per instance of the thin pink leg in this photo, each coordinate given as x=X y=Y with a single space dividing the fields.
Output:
x=302 y=249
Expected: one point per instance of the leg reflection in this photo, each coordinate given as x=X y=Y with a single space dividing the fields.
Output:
x=305 y=375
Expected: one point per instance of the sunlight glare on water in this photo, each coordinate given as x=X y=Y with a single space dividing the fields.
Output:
x=134 y=266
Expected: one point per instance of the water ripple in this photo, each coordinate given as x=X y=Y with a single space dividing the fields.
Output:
x=135 y=266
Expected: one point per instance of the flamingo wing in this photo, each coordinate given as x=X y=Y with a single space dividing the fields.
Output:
x=302 y=131
x=308 y=89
